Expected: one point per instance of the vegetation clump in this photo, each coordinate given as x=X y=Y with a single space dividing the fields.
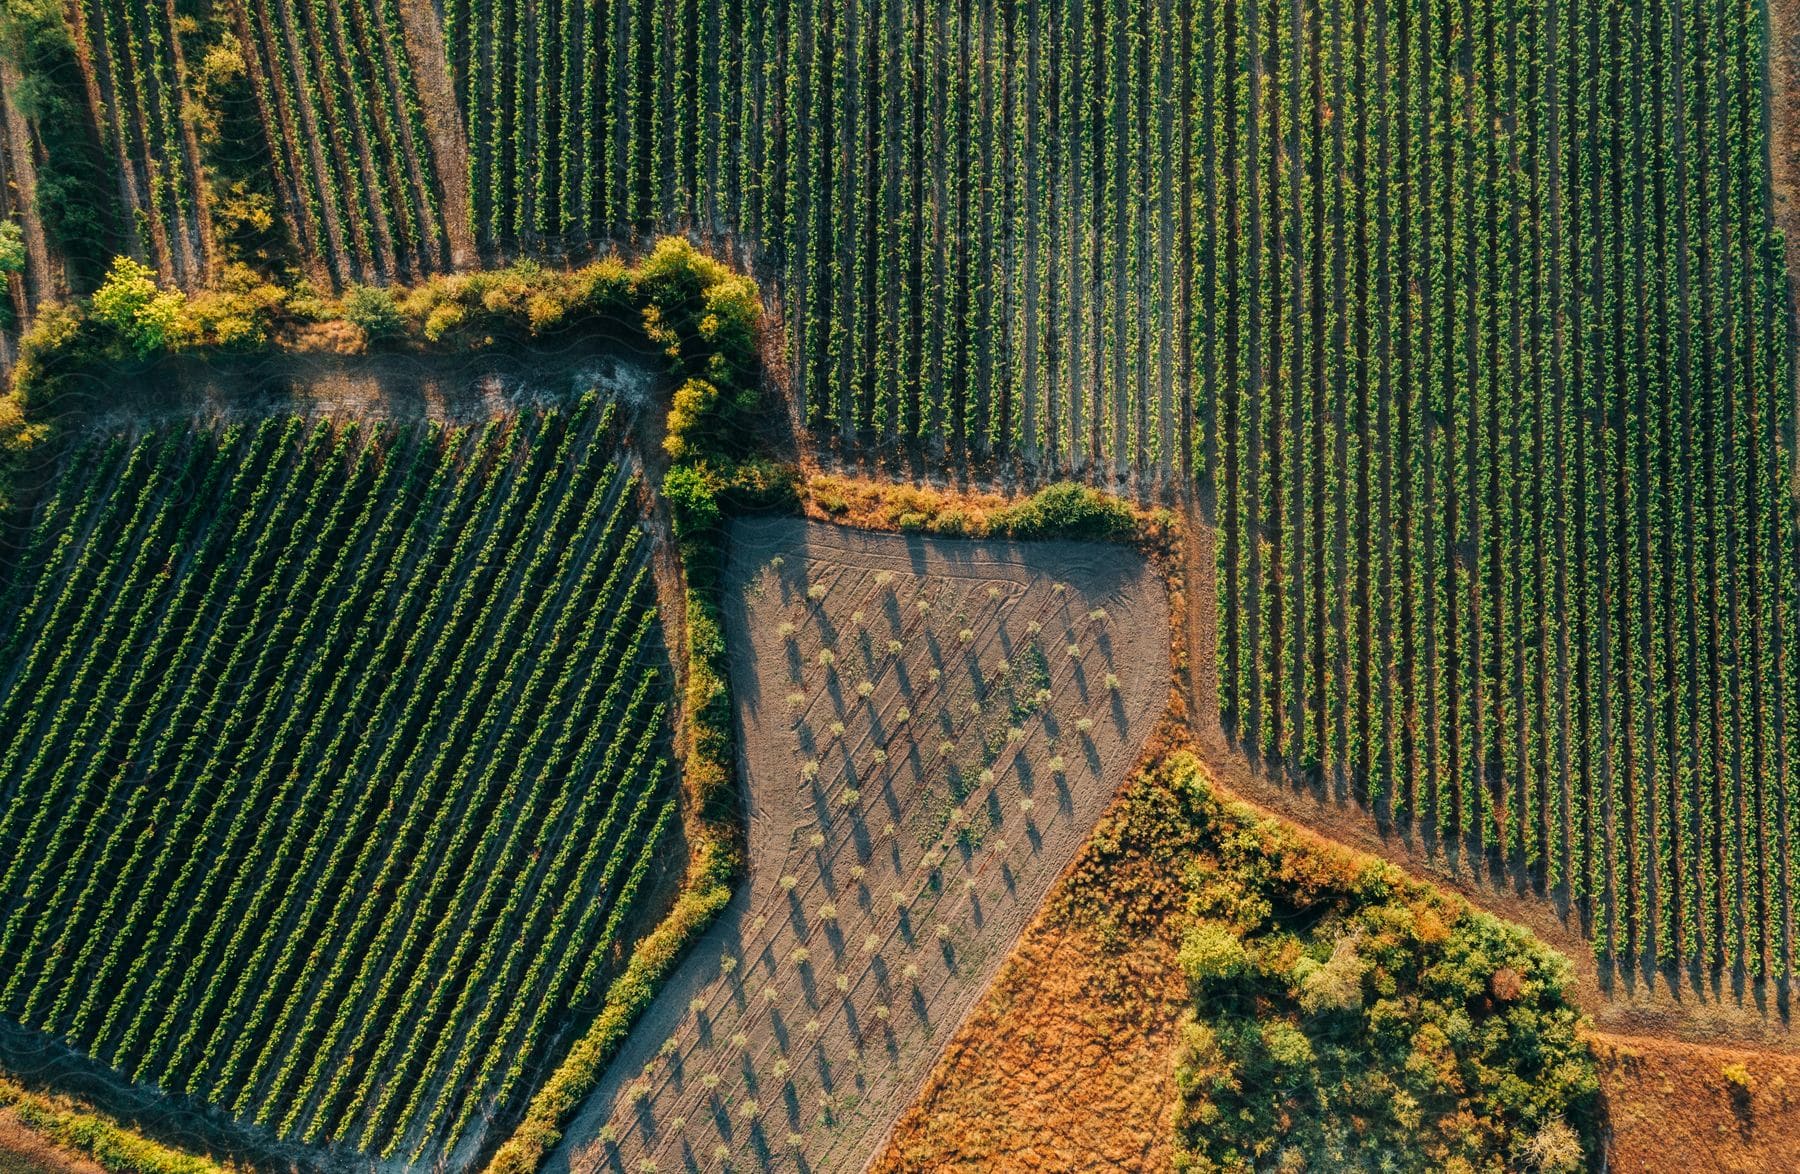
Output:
x=1341 y=1015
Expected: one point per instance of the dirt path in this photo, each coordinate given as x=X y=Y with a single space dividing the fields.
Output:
x=454 y=388
x=875 y=915
x=444 y=124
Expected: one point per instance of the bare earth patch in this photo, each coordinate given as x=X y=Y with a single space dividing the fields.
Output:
x=931 y=729
x=1671 y=1108
x=456 y=388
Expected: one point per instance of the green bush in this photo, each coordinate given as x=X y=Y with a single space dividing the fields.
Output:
x=145 y=318
x=12 y=247
x=373 y=311
x=1065 y=510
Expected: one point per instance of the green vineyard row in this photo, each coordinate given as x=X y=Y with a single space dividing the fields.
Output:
x=338 y=760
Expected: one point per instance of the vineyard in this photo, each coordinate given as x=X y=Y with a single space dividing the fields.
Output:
x=338 y=97
x=337 y=764
x=343 y=768
x=1468 y=330
x=136 y=87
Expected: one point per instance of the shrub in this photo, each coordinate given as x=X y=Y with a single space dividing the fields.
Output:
x=1212 y=953
x=1066 y=510
x=695 y=424
x=12 y=247
x=373 y=311
x=145 y=318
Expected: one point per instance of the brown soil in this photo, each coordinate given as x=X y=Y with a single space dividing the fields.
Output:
x=832 y=1062
x=387 y=385
x=25 y=1152
x=1671 y=1109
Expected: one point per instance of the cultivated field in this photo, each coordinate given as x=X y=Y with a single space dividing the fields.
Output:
x=337 y=763
x=931 y=728
x=1462 y=323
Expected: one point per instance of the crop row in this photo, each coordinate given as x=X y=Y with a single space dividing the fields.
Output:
x=341 y=105
x=1489 y=315
x=337 y=764
x=137 y=83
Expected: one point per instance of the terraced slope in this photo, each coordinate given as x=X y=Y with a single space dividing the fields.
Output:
x=337 y=760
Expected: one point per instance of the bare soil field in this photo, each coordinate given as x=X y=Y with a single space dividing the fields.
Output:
x=1672 y=1109
x=931 y=729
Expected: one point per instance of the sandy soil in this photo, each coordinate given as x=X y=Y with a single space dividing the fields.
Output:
x=904 y=899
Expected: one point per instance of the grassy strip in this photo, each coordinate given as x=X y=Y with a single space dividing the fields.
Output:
x=112 y=1145
x=1062 y=510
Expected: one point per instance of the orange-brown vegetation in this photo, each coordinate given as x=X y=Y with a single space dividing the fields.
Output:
x=1674 y=1106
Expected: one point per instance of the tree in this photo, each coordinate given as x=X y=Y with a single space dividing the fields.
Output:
x=146 y=317
x=373 y=311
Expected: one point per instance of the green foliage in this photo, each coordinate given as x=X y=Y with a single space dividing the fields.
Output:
x=234 y=147
x=1066 y=510
x=1344 y=1016
x=12 y=247
x=694 y=423
x=114 y=1147
x=1212 y=956
x=373 y=311
x=145 y=317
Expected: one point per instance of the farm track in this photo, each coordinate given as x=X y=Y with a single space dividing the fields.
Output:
x=828 y=836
